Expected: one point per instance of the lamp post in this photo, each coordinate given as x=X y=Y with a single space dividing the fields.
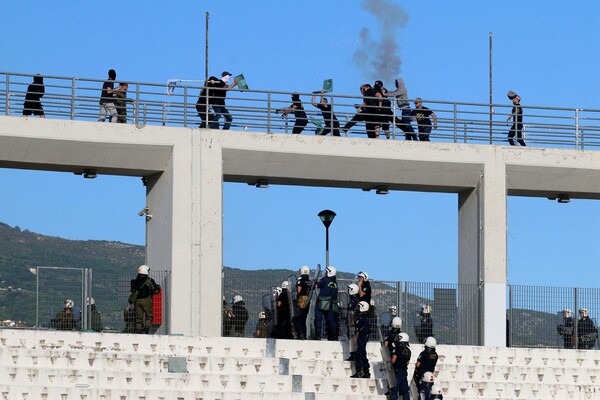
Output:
x=327 y=217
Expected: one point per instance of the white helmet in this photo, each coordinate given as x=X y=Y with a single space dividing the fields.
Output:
x=285 y=285
x=403 y=337
x=262 y=315
x=330 y=271
x=278 y=290
x=69 y=303
x=393 y=310
x=397 y=323
x=90 y=301
x=363 y=275
x=363 y=307
x=304 y=270
x=436 y=389
x=426 y=309
x=427 y=377
x=583 y=312
x=352 y=289
x=143 y=269
x=567 y=313
x=430 y=342
x=237 y=298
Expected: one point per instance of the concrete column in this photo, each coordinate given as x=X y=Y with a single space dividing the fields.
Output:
x=482 y=253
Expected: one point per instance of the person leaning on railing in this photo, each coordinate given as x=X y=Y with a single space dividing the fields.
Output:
x=35 y=92
x=107 y=101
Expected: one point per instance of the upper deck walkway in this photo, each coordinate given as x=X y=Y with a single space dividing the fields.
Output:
x=259 y=111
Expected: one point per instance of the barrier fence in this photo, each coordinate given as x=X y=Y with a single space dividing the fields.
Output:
x=533 y=315
x=261 y=111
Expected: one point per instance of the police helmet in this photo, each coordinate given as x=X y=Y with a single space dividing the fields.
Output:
x=143 y=269
x=278 y=290
x=69 y=303
x=397 y=323
x=430 y=342
x=436 y=389
x=583 y=312
x=567 y=313
x=304 y=270
x=403 y=337
x=330 y=271
x=393 y=310
x=90 y=301
x=285 y=285
x=262 y=315
x=352 y=289
x=427 y=377
x=363 y=307
x=363 y=275
x=426 y=309
x=237 y=298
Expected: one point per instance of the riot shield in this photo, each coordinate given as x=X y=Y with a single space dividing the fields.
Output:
x=343 y=316
x=293 y=296
x=385 y=322
x=310 y=327
x=274 y=296
x=269 y=312
x=387 y=361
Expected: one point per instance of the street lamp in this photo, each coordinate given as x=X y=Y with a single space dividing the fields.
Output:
x=327 y=217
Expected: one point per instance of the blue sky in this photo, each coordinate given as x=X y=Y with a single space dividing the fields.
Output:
x=546 y=51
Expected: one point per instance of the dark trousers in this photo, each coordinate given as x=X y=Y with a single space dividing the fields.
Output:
x=424 y=132
x=143 y=315
x=404 y=124
x=401 y=388
x=204 y=114
x=300 y=323
x=327 y=129
x=330 y=324
x=220 y=111
x=360 y=358
x=516 y=130
x=299 y=125
x=364 y=115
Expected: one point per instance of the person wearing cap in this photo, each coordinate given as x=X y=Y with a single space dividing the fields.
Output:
x=421 y=114
x=64 y=319
x=217 y=93
x=142 y=289
x=331 y=122
x=517 y=116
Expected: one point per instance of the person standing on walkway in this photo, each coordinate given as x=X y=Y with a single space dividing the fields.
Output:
x=331 y=122
x=421 y=114
x=517 y=116
x=142 y=289
x=401 y=95
x=586 y=331
x=361 y=329
x=298 y=110
x=567 y=329
x=107 y=101
x=303 y=288
x=217 y=92
x=33 y=103
x=327 y=305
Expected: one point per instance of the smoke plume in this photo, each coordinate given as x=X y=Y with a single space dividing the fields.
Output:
x=379 y=57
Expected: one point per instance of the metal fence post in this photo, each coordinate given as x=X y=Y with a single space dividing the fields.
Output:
x=269 y=112
x=455 y=123
x=37 y=297
x=465 y=132
x=7 y=109
x=73 y=99
x=577 y=143
x=185 y=106
x=576 y=303
x=510 y=316
x=137 y=104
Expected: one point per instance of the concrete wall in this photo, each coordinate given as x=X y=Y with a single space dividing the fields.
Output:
x=186 y=167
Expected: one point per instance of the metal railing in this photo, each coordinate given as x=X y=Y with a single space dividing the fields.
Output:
x=260 y=110
x=533 y=315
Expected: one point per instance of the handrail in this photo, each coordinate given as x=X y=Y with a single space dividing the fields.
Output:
x=257 y=110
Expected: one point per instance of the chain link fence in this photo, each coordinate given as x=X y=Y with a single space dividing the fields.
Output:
x=98 y=301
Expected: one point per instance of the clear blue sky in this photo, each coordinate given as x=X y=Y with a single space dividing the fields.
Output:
x=547 y=51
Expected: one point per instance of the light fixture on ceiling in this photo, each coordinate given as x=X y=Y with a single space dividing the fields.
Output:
x=382 y=190
x=87 y=173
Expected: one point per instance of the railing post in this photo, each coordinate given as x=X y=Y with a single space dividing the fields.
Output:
x=73 y=99
x=137 y=105
x=455 y=123
x=164 y=114
x=7 y=109
x=577 y=143
x=185 y=106
x=510 y=317
x=269 y=112
x=394 y=108
x=576 y=303
x=465 y=132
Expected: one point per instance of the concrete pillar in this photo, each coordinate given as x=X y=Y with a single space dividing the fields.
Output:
x=482 y=254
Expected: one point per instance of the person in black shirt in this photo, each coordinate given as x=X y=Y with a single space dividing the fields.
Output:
x=517 y=116
x=107 y=102
x=426 y=361
x=217 y=93
x=298 y=109
x=425 y=328
x=401 y=354
x=328 y=116
x=421 y=115
x=367 y=112
x=386 y=115
x=303 y=287
x=567 y=329
x=203 y=105
x=35 y=92
x=586 y=331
